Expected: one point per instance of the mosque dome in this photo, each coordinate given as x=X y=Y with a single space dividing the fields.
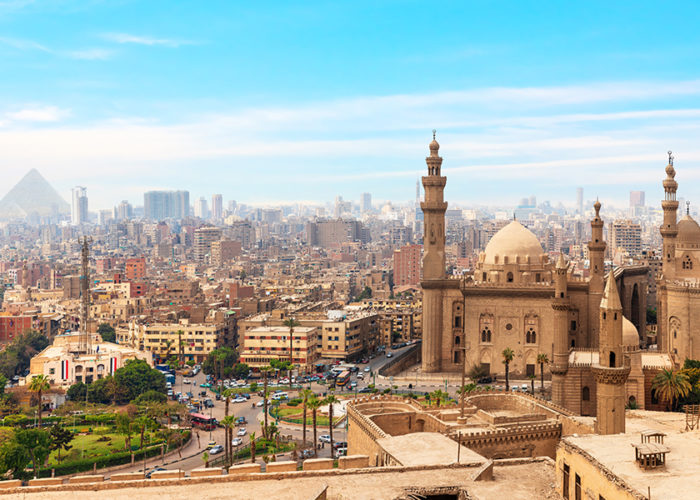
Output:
x=688 y=232
x=514 y=241
x=630 y=336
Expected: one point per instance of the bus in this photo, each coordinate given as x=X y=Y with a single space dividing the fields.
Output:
x=342 y=379
x=203 y=421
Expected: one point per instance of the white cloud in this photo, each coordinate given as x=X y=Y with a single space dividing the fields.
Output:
x=38 y=114
x=144 y=40
x=91 y=54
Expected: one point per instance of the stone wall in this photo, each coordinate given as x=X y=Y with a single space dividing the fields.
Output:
x=403 y=361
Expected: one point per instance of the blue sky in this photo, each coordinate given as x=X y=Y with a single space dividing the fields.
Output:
x=284 y=101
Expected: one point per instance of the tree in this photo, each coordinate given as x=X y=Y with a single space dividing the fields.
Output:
x=365 y=294
x=241 y=370
x=532 y=383
x=36 y=442
x=477 y=372
x=305 y=394
x=508 y=356
x=671 y=385
x=218 y=359
x=205 y=458
x=252 y=447
x=136 y=377
x=542 y=360
x=39 y=384
x=228 y=422
x=15 y=357
x=107 y=333
x=291 y=323
x=438 y=396
x=141 y=424
x=124 y=427
x=314 y=404
x=180 y=344
x=150 y=396
x=330 y=400
x=265 y=371
x=60 y=439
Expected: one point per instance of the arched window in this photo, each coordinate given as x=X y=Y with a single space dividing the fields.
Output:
x=486 y=335
x=457 y=340
x=612 y=359
x=456 y=356
x=509 y=277
x=531 y=337
x=585 y=394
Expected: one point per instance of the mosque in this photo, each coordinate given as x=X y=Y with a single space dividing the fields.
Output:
x=518 y=298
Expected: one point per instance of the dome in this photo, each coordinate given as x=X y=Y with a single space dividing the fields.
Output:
x=630 y=336
x=514 y=240
x=688 y=231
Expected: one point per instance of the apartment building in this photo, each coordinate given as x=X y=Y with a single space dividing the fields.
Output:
x=262 y=344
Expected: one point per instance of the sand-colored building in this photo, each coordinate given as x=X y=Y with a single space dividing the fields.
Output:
x=262 y=344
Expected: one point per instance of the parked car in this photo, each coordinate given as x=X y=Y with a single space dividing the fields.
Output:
x=241 y=420
x=341 y=452
x=236 y=441
x=241 y=432
x=260 y=403
x=307 y=453
x=361 y=376
x=340 y=444
x=353 y=384
x=389 y=355
x=367 y=369
x=325 y=438
x=239 y=399
x=365 y=390
x=211 y=444
x=485 y=380
x=523 y=388
x=205 y=384
x=216 y=449
x=187 y=381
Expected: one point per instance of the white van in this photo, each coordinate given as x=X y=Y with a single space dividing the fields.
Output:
x=280 y=395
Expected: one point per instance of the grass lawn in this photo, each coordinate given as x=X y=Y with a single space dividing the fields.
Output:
x=90 y=446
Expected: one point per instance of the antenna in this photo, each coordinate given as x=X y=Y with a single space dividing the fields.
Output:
x=84 y=336
x=687 y=208
x=670 y=157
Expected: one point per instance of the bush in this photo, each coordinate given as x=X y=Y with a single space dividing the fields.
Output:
x=294 y=402
x=150 y=396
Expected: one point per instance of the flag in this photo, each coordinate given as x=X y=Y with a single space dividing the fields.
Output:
x=112 y=365
x=64 y=369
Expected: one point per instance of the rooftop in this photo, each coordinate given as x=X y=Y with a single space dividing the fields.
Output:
x=427 y=448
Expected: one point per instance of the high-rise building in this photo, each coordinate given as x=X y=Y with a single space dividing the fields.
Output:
x=626 y=234
x=407 y=265
x=217 y=207
x=579 y=201
x=79 y=207
x=203 y=238
x=366 y=203
x=636 y=199
x=161 y=205
x=329 y=233
x=124 y=210
x=201 y=208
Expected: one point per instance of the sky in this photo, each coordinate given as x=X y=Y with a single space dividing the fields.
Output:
x=270 y=102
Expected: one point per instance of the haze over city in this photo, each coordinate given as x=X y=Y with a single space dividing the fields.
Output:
x=305 y=101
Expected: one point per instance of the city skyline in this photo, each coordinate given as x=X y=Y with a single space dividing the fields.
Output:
x=124 y=99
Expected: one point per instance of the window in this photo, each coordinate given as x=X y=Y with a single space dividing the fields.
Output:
x=458 y=321
x=509 y=327
x=52 y=371
x=604 y=315
x=509 y=277
x=687 y=263
x=573 y=325
x=531 y=336
x=537 y=277
x=577 y=487
x=565 y=485
x=586 y=394
x=530 y=370
x=486 y=335
x=612 y=359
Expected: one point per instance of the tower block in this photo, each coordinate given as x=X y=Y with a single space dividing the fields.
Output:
x=560 y=304
x=434 y=208
x=611 y=372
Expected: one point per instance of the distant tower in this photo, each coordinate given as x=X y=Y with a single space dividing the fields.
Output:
x=217 y=207
x=610 y=372
x=366 y=203
x=560 y=304
x=669 y=229
x=596 y=267
x=434 y=208
x=579 y=200
x=84 y=336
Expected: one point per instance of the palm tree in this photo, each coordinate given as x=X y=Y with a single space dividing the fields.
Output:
x=141 y=424
x=305 y=394
x=291 y=323
x=314 y=403
x=181 y=344
x=542 y=359
x=670 y=385
x=532 y=382
x=229 y=422
x=205 y=458
x=508 y=356
x=265 y=370
x=330 y=399
x=252 y=447
x=168 y=348
x=39 y=384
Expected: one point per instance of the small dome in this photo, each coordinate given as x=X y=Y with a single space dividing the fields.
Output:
x=670 y=171
x=511 y=241
x=434 y=146
x=688 y=231
x=630 y=336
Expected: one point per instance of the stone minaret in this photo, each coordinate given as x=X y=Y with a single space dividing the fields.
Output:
x=669 y=229
x=560 y=304
x=611 y=371
x=433 y=208
x=596 y=280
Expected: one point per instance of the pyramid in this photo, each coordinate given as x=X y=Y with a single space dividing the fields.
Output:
x=32 y=195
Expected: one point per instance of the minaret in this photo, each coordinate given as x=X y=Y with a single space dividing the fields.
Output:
x=611 y=372
x=596 y=278
x=669 y=229
x=560 y=304
x=433 y=208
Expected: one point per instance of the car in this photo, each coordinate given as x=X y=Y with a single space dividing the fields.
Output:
x=218 y=396
x=236 y=441
x=205 y=384
x=365 y=390
x=307 y=453
x=245 y=395
x=241 y=432
x=170 y=393
x=367 y=369
x=260 y=403
x=523 y=387
x=186 y=381
x=157 y=469
x=216 y=449
x=211 y=444
x=515 y=388
x=341 y=452
x=325 y=438
x=239 y=399
x=361 y=376
x=241 y=420
x=389 y=355
x=340 y=444
x=353 y=384
x=485 y=380
x=315 y=378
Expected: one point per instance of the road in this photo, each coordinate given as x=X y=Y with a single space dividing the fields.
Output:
x=192 y=453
